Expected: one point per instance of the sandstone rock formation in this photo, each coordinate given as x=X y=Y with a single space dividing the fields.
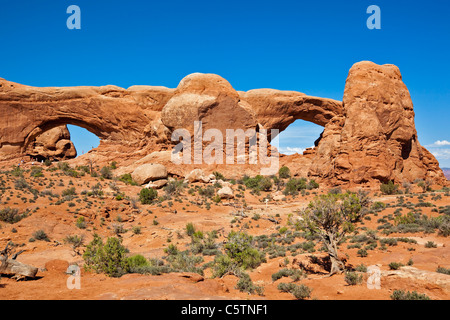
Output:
x=197 y=175
x=225 y=193
x=412 y=273
x=149 y=172
x=210 y=99
x=53 y=144
x=368 y=137
x=375 y=137
x=157 y=184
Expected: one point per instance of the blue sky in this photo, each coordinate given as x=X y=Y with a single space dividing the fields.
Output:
x=307 y=46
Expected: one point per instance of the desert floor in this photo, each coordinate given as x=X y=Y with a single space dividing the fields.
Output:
x=164 y=223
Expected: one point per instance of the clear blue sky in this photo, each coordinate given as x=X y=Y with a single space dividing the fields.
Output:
x=307 y=46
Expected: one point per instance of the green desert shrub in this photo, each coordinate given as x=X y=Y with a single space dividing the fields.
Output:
x=183 y=261
x=63 y=166
x=389 y=188
x=265 y=184
x=146 y=196
x=190 y=229
x=443 y=270
x=284 y=172
x=21 y=184
x=136 y=261
x=353 y=278
x=106 y=173
x=378 y=205
x=298 y=291
x=40 y=235
x=240 y=248
x=402 y=295
x=127 y=179
x=109 y=258
x=218 y=176
x=36 y=172
x=11 y=215
x=312 y=184
x=295 y=274
x=362 y=253
x=430 y=244
x=361 y=268
x=205 y=245
x=245 y=284
x=207 y=192
x=240 y=253
x=69 y=192
x=293 y=186
x=81 y=223
x=138 y=264
x=75 y=241
x=395 y=265
x=258 y=183
x=174 y=187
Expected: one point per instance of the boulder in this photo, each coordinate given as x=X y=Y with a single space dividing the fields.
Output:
x=413 y=273
x=149 y=172
x=207 y=98
x=57 y=265
x=278 y=196
x=157 y=184
x=225 y=193
x=197 y=175
x=53 y=144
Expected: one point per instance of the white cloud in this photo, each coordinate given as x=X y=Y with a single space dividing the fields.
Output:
x=289 y=150
x=441 y=154
x=439 y=143
x=441 y=150
x=442 y=143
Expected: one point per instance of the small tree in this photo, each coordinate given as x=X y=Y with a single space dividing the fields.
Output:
x=109 y=258
x=284 y=172
x=331 y=217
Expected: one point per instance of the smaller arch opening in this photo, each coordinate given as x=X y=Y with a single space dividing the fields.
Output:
x=298 y=136
x=83 y=140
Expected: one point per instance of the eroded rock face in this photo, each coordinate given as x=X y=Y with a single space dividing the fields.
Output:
x=53 y=144
x=368 y=137
x=375 y=138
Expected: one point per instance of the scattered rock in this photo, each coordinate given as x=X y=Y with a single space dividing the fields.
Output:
x=149 y=172
x=437 y=278
x=195 y=277
x=196 y=175
x=225 y=193
x=278 y=196
x=158 y=184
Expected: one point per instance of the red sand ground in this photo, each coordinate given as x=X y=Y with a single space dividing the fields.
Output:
x=58 y=221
